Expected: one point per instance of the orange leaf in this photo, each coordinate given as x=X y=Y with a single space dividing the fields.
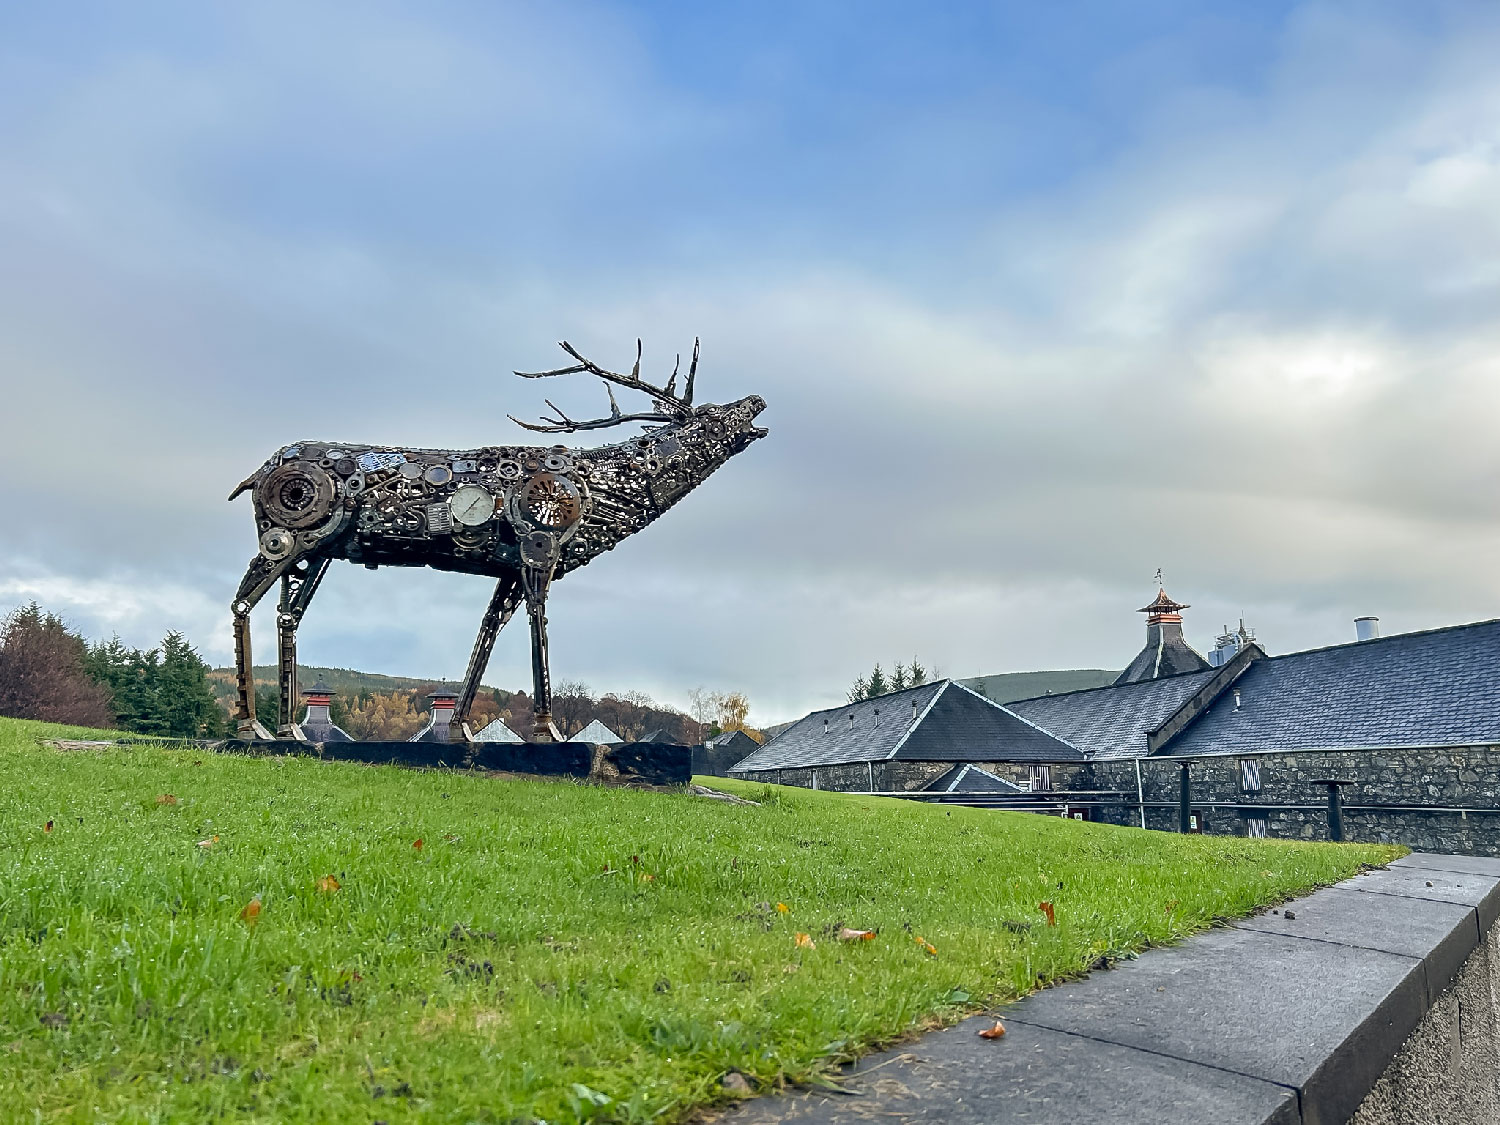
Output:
x=166 y=799
x=47 y=827
x=1046 y=908
x=417 y=843
x=327 y=884
x=805 y=941
x=781 y=907
x=1171 y=906
x=846 y=934
x=647 y=877
x=993 y=1032
x=927 y=946
x=251 y=913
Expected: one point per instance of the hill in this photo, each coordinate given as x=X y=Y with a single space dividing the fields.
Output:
x=344 y=681
x=1006 y=687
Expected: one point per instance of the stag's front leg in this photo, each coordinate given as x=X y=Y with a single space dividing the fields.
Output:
x=534 y=582
x=260 y=576
x=298 y=585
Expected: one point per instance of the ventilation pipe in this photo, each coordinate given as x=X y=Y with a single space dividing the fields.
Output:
x=1366 y=628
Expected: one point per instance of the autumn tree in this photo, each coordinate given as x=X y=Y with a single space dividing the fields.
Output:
x=384 y=717
x=734 y=709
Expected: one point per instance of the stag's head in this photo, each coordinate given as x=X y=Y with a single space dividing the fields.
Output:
x=732 y=423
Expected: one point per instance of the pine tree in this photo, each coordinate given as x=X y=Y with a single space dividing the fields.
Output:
x=878 y=685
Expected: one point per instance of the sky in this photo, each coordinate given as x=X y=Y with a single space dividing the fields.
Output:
x=1042 y=298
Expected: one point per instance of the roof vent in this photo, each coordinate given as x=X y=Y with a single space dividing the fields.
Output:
x=1366 y=628
x=913 y=708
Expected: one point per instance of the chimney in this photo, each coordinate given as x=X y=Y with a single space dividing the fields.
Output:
x=1366 y=628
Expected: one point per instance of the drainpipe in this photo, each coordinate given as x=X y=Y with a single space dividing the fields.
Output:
x=1140 y=793
x=1185 y=802
x=870 y=769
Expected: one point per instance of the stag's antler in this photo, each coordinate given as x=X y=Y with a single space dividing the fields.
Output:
x=670 y=406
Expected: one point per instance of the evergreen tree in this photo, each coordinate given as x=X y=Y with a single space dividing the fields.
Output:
x=878 y=685
x=898 y=678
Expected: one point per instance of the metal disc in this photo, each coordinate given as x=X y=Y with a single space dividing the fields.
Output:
x=471 y=505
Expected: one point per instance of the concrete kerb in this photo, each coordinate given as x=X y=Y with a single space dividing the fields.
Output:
x=1274 y=1019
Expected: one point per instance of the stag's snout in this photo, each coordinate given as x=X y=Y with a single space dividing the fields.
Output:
x=746 y=411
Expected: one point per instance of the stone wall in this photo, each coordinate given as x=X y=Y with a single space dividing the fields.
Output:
x=1458 y=779
x=1460 y=784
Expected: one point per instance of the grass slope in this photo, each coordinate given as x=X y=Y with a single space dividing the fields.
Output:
x=553 y=951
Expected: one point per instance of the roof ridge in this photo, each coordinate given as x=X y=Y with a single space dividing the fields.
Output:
x=1389 y=637
x=916 y=720
x=1112 y=687
x=1022 y=718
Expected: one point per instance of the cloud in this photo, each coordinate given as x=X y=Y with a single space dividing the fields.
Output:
x=1250 y=337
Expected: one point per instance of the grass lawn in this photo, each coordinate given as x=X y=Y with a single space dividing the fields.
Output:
x=552 y=951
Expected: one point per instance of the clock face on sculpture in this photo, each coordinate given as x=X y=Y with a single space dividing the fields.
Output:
x=472 y=505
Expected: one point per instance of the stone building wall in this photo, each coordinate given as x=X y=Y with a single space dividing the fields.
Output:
x=1461 y=779
x=1457 y=778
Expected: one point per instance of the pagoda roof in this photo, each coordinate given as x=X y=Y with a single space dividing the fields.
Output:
x=1163 y=604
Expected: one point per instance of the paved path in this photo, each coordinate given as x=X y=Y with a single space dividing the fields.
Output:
x=1277 y=1019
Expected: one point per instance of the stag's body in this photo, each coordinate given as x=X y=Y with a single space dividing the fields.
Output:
x=523 y=515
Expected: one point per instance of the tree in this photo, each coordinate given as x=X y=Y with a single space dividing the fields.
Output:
x=384 y=717
x=573 y=705
x=44 y=672
x=878 y=683
x=734 y=709
x=186 y=706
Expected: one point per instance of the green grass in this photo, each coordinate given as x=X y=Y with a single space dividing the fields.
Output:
x=522 y=964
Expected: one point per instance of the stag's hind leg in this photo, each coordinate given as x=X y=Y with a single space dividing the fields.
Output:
x=502 y=608
x=534 y=582
x=260 y=576
x=298 y=585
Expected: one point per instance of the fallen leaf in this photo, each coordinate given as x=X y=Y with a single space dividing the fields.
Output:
x=993 y=1032
x=1046 y=908
x=781 y=907
x=1171 y=906
x=647 y=877
x=846 y=934
x=417 y=843
x=927 y=946
x=210 y=842
x=47 y=827
x=251 y=913
x=452 y=839
x=327 y=884
x=805 y=941
x=166 y=799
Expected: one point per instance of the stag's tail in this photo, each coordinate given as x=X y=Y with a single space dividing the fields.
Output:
x=243 y=486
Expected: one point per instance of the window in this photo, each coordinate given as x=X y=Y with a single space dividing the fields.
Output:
x=1249 y=775
x=1041 y=779
x=1255 y=827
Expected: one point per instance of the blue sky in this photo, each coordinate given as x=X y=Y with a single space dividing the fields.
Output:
x=1042 y=297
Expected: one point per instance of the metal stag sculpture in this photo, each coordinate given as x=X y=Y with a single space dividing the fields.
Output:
x=523 y=515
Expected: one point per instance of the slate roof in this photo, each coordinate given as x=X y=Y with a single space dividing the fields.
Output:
x=1167 y=653
x=968 y=778
x=1434 y=688
x=596 y=732
x=497 y=731
x=1112 y=722
x=941 y=721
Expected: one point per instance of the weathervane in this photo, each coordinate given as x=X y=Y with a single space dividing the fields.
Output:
x=523 y=515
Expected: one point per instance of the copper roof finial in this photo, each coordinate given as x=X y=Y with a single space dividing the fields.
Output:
x=1163 y=608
